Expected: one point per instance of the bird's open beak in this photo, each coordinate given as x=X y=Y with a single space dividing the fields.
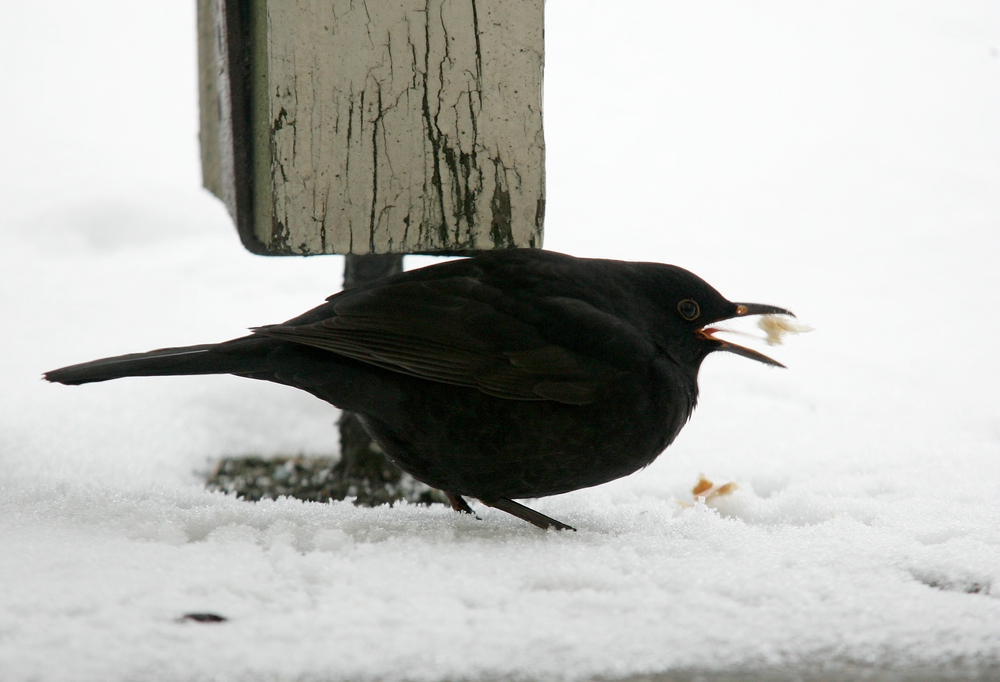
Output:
x=742 y=310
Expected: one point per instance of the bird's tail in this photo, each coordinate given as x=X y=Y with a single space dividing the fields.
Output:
x=217 y=358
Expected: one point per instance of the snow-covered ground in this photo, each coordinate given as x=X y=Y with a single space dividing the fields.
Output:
x=838 y=158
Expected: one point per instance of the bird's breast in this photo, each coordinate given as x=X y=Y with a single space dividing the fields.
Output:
x=463 y=441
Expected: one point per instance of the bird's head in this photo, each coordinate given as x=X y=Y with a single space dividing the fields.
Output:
x=691 y=306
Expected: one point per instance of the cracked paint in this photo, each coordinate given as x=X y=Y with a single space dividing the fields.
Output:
x=390 y=129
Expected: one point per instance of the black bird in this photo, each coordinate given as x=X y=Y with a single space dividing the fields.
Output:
x=511 y=374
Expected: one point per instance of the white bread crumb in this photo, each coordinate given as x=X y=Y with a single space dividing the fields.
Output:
x=776 y=326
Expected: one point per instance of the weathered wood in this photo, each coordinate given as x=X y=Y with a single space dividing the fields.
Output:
x=379 y=126
x=224 y=38
x=208 y=96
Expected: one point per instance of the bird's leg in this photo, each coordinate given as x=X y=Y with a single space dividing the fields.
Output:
x=459 y=504
x=525 y=513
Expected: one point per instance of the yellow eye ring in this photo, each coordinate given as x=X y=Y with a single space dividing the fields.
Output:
x=689 y=309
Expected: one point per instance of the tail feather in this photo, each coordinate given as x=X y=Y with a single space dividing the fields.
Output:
x=224 y=358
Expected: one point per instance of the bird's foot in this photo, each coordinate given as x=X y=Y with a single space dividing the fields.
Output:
x=526 y=513
x=459 y=504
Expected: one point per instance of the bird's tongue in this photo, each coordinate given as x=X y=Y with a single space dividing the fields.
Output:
x=709 y=332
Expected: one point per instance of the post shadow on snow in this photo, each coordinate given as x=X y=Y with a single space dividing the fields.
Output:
x=361 y=473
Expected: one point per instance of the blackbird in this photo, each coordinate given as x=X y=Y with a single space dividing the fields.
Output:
x=510 y=374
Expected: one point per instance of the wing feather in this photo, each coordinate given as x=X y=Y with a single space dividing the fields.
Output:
x=456 y=331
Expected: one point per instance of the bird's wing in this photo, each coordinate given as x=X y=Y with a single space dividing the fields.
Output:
x=456 y=331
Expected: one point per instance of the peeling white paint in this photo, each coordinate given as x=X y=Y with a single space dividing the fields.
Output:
x=404 y=126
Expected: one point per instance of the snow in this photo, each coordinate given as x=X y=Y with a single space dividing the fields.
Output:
x=836 y=158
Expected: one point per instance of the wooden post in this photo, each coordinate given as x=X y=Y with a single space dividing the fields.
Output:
x=375 y=126
x=368 y=127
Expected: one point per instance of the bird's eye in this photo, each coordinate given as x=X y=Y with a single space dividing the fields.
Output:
x=688 y=309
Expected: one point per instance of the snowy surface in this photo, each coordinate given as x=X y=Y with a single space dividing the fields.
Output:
x=841 y=159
